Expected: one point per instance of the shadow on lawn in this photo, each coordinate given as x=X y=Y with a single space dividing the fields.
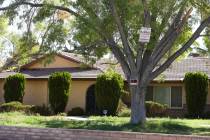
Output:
x=167 y=127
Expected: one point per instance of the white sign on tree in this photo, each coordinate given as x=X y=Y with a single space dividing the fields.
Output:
x=145 y=34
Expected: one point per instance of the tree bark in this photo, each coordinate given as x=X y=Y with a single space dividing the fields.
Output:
x=138 y=111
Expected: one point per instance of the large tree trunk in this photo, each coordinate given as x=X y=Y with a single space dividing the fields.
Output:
x=138 y=111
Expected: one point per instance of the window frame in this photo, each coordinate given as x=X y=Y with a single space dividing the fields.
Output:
x=181 y=96
x=170 y=87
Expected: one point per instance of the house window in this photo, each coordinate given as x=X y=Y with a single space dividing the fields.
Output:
x=162 y=95
x=171 y=96
x=176 y=97
x=149 y=94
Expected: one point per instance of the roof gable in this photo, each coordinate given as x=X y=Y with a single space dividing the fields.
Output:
x=62 y=60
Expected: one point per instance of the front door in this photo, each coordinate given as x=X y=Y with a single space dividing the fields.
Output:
x=90 y=101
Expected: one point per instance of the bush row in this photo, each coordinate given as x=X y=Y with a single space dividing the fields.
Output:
x=153 y=109
x=59 y=85
x=32 y=109
x=108 y=90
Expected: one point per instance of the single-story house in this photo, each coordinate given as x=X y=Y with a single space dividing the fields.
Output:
x=167 y=89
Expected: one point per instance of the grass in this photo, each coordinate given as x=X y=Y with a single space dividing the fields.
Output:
x=153 y=125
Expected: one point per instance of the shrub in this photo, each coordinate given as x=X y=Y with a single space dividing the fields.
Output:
x=14 y=88
x=108 y=91
x=62 y=114
x=59 y=84
x=125 y=112
x=77 y=111
x=41 y=110
x=14 y=106
x=121 y=106
x=126 y=97
x=206 y=115
x=196 y=87
x=154 y=109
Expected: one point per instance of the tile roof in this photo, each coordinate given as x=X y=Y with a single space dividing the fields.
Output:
x=44 y=73
x=175 y=72
x=191 y=64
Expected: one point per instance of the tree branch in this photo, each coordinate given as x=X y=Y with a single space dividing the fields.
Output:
x=168 y=44
x=119 y=56
x=127 y=49
x=15 y=5
x=147 y=20
x=170 y=30
x=187 y=45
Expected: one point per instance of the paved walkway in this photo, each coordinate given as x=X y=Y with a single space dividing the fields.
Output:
x=77 y=118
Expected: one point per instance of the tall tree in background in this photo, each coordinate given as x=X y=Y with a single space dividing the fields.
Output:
x=100 y=26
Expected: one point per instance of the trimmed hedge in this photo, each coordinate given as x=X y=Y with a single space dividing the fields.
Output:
x=196 y=87
x=14 y=88
x=15 y=106
x=41 y=110
x=154 y=109
x=59 y=84
x=77 y=111
x=108 y=90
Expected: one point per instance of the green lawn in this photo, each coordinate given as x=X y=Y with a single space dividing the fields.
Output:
x=153 y=125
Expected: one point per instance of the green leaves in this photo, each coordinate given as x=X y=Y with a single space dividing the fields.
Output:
x=43 y=13
x=3 y=25
x=14 y=88
x=108 y=91
x=196 y=87
x=94 y=23
x=59 y=85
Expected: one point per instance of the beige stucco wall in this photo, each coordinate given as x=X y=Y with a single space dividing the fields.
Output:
x=78 y=94
x=57 y=62
x=36 y=92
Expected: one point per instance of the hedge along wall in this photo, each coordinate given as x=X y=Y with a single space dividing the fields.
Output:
x=196 y=87
x=14 y=87
x=108 y=90
x=59 y=85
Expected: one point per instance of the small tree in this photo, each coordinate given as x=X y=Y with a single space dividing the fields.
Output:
x=14 y=87
x=59 y=89
x=196 y=87
x=108 y=90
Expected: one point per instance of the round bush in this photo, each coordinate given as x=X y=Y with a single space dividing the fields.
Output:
x=196 y=87
x=59 y=89
x=126 y=112
x=14 y=106
x=41 y=110
x=108 y=90
x=154 y=109
x=14 y=87
x=77 y=111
